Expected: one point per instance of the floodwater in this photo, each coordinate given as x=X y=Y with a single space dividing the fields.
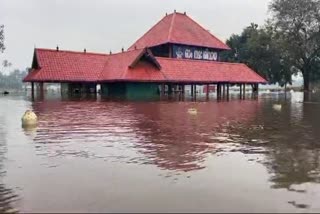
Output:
x=95 y=155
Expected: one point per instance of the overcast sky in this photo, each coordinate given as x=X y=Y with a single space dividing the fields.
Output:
x=104 y=25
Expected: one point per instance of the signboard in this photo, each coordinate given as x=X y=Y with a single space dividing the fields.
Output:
x=188 y=52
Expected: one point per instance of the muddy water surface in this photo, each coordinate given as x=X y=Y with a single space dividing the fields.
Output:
x=95 y=155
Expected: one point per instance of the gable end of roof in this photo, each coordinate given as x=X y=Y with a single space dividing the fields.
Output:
x=146 y=52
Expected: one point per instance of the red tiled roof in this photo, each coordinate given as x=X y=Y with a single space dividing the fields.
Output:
x=117 y=68
x=68 y=66
x=184 y=70
x=178 y=28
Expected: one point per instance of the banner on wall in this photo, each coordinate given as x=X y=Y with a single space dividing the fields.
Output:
x=187 y=52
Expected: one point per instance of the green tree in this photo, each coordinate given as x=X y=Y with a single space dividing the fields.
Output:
x=298 y=25
x=260 y=49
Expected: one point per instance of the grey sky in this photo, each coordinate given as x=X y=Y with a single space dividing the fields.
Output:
x=103 y=25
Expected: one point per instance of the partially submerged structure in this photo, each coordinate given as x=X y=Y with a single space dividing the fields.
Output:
x=174 y=53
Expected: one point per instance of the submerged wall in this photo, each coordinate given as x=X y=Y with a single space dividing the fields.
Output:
x=76 y=88
x=120 y=89
x=130 y=90
x=64 y=88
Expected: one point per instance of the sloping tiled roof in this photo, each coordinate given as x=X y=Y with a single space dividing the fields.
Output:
x=69 y=66
x=182 y=70
x=178 y=28
x=117 y=68
x=66 y=66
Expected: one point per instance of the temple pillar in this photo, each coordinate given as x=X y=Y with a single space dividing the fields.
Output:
x=163 y=89
x=169 y=89
x=41 y=86
x=218 y=91
x=32 y=90
x=182 y=86
x=255 y=88
x=98 y=88
x=41 y=89
x=228 y=92
x=177 y=89
x=217 y=86
x=192 y=92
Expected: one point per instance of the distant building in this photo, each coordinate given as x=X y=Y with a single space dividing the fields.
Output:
x=174 y=53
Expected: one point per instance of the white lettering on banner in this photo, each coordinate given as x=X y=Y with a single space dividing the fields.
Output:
x=197 y=54
x=188 y=54
x=179 y=53
x=206 y=54
x=213 y=56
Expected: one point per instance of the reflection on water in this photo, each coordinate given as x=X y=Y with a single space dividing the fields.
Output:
x=164 y=134
x=229 y=152
x=7 y=196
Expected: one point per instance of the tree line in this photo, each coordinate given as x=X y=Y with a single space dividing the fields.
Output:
x=13 y=80
x=287 y=44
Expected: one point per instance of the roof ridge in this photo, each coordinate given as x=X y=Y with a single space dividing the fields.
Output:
x=88 y=53
x=170 y=29
x=161 y=20
x=207 y=31
x=70 y=51
x=127 y=51
x=178 y=13
x=171 y=26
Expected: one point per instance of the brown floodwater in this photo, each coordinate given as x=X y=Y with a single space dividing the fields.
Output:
x=97 y=155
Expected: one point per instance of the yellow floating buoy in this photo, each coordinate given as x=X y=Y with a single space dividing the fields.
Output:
x=192 y=111
x=29 y=118
x=277 y=107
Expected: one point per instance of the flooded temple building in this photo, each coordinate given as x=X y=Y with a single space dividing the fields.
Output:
x=175 y=53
